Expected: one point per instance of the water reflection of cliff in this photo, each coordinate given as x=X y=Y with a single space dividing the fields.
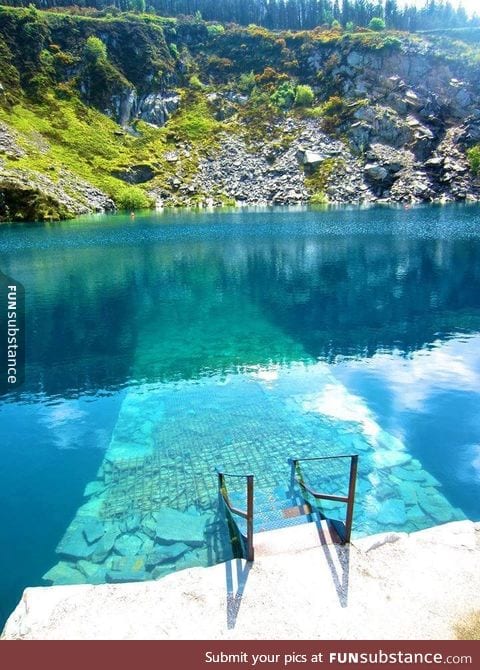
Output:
x=171 y=309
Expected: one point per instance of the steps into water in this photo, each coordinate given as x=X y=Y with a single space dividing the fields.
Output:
x=292 y=540
x=279 y=509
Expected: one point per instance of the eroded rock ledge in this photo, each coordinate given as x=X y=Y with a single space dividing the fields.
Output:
x=390 y=586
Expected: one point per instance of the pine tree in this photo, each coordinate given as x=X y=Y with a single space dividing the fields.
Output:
x=291 y=14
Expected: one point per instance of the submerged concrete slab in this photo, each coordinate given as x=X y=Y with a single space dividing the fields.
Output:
x=389 y=587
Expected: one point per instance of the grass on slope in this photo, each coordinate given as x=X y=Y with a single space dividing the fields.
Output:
x=64 y=133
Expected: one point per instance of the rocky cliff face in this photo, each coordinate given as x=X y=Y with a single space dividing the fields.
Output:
x=394 y=116
x=270 y=174
x=407 y=117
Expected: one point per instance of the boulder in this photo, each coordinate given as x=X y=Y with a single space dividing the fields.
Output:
x=470 y=133
x=135 y=174
x=156 y=108
x=416 y=516
x=355 y=59
x=313 y=159
x=378 y=124
x=409 y=492
x=309 y=159
x=385 y=491
x=149 y=525
x=412 y=100
x=408 y=474
x=434 y=163
x=376 y=172
x=131 y=523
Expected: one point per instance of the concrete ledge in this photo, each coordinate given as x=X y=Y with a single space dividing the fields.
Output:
x=393 y=586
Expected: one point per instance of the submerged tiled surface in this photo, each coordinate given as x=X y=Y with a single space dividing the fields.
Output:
x=154 y=507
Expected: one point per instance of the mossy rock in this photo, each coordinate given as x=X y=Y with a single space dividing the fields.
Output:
x=23 y=202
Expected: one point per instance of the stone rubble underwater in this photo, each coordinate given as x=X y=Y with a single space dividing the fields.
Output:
x=153 y=508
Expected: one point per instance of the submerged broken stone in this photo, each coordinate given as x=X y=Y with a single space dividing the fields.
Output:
x=74 y=545
x=434 y=504
x=408 y=475
x=64 y=573
x=133 y=523
x=166 y=553
x=120 y=577
x=128 y=564
x=392 y=512
x=174 y=526
x=149 y=525
x=105 y=545
x=390 y=459
x=94 y=573
x=93 y=530
x=93 y=488
x=128 y=545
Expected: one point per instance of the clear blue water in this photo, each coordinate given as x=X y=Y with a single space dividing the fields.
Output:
x=162 y=347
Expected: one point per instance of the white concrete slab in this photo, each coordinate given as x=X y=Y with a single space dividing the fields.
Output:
x=410 y=587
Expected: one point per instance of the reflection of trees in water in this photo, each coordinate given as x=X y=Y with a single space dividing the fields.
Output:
x=179 y=309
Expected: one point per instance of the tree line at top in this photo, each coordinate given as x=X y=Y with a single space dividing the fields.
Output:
x=289 y=14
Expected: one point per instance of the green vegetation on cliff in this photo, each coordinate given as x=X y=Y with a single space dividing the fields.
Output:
x=474 y=158
x=133 y=103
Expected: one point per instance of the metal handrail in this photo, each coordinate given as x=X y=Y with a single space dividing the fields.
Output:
x=248 y=515
x=349 y=499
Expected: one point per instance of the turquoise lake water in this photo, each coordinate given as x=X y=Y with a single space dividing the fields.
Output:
x=160 y=348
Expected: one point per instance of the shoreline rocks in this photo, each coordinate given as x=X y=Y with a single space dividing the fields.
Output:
x=315 y=167
x=378 y=157
x=26 y=195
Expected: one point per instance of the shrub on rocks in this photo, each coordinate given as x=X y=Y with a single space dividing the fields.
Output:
x=304 y=96
x=377 y=24
x=474 y=158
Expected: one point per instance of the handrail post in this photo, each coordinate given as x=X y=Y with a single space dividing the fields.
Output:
x=248 y=515
x=351 y=498
x=250 y=550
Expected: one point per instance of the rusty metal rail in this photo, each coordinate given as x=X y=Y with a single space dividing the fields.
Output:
x=349 y=499
x=247 y=515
